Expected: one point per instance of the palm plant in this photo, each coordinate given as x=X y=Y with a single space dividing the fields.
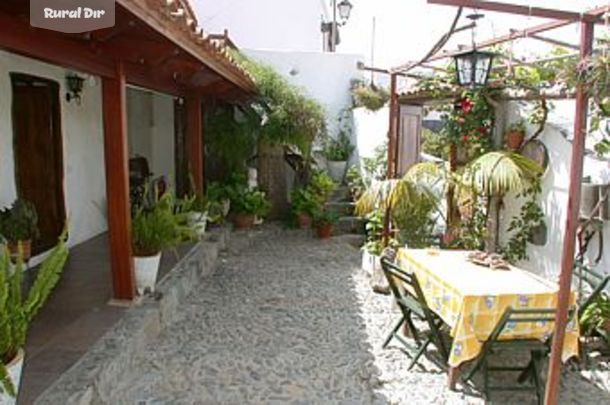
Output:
x=501 y=172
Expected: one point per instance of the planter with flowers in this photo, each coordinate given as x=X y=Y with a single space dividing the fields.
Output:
x=17 y=311
x=247 y=205
x=304 y=204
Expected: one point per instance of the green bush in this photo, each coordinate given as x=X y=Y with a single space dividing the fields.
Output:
x=415 y=220
x=339 y=149
x=17 y=313
x=321 y=185
x=157 y=227
x=325 y=217
x=304 y=201
x=250 y=202
x=19 y=222
x=371 y=97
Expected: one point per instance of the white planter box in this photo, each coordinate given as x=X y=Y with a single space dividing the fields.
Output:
x=336 y=170
x=198 y=221
x=370 y=263
x=14 y=371
x=146 y=269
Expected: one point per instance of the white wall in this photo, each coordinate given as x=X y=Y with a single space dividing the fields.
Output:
x=150 y=123
x=83 y=147
x=326 y=77
x=546 y=259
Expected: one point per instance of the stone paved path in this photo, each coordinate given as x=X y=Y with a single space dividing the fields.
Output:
x=291 y=319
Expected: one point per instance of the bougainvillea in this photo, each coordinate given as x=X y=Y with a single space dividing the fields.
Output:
x=470 y=124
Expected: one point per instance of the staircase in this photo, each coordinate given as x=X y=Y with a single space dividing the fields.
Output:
x=340 y=202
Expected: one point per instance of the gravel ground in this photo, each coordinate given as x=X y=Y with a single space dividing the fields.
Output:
x=291 y=319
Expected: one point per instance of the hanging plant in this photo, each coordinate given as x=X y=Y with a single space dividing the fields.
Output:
x=369 y=96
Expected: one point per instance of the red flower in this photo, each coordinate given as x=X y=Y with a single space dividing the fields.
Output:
x=461 y=120
x=482 y=130
x=466 y=105
x=465 y=138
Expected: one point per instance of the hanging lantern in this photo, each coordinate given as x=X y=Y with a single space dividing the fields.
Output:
x=473 y=67
x=345 y=9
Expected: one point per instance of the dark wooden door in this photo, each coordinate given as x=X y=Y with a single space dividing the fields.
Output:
x=37 y=144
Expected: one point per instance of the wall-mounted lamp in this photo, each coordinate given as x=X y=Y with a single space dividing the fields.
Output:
x=75 y=87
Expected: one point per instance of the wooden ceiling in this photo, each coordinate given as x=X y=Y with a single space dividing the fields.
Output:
x=161 y=61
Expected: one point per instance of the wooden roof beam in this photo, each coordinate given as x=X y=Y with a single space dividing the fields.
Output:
x=589 y=16
x=554 y=41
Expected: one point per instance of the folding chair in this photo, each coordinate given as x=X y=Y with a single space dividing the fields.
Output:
x=538 y=351
x=411 y=301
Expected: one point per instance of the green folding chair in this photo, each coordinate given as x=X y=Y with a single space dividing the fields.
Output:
x=411 y=301
x=538 y=351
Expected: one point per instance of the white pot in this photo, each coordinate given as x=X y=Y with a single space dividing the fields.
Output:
x=370 y=262
x=198 y=221
x=146 y=269
x=336 y=170
x=14 y=371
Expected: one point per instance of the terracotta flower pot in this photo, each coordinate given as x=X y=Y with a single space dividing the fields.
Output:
x=303 y=220
x=26 y=246
x=324 y=231
x=243 y=221
x=514 y=139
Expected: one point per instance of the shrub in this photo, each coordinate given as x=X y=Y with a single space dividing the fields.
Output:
x=156 y=228
x=371 y=97
x=16 y=313
x=19 y=222
x=250 y=202
x=304 y=201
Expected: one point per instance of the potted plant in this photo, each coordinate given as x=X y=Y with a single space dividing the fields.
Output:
x=218 y=195
x=371 y=251
x=17 y=312
x=324 y=220
x=19 y=226
x=304 y=204
x=247 y=205
x=196 y=209
x=153 y=229
x=515 y=134
x=337 y=152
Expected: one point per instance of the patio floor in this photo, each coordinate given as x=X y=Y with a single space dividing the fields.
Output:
x=76 y=315
x=291 y=319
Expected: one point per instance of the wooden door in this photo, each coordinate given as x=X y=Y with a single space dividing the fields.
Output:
x=409 y=138
x=38 y=156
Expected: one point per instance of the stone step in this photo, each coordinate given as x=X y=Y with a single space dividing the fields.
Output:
x=350 y=225
x=340 y=193
x=343 y=208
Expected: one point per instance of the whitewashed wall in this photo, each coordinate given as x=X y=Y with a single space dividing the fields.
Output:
x=546 y=259
x=371 y=129
x=83 y=147
x=150 y=123
x=326 y=77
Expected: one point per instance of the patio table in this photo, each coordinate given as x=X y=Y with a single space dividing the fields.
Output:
x=472 y=298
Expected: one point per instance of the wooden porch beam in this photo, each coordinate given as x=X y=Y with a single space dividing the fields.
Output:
x=117 y=184
x=16 y=36
x=194 y=139
x=522 y=10
x=569 y=237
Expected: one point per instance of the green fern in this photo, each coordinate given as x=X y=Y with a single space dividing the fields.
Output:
x=17 y=313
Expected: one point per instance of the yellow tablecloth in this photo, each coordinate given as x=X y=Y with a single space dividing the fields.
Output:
x=471 y=299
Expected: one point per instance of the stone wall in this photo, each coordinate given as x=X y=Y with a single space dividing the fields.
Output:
x=93 y=378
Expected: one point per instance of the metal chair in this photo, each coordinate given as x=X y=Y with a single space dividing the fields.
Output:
x=538 y=351
x=597 y=281
x=411 y=301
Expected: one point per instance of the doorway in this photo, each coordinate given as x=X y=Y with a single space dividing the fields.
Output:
x=38 y=155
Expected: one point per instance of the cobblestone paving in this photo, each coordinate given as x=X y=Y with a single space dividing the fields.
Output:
x=291 y=319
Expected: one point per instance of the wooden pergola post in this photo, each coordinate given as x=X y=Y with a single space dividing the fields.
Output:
x=393 y=127
x=194 y=139
x=569 y=237
x=117 y=184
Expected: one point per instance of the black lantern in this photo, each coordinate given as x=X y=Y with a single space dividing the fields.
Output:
x=473 y=67
x=345 y=9
x=75 y=87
